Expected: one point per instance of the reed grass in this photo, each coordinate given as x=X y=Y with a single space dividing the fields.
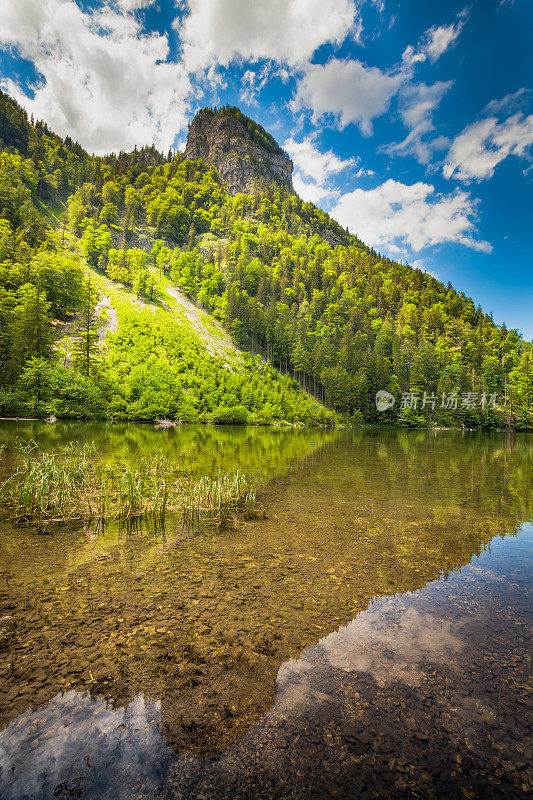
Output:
x=72 y=485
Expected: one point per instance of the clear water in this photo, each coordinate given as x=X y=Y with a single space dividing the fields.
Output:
x=369 y=638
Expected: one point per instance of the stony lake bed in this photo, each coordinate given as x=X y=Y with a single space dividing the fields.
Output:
x=368 y=635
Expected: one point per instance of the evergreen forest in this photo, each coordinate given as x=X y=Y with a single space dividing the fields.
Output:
x=104 y=261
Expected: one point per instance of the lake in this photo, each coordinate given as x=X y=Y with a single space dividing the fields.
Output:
x=368 y=638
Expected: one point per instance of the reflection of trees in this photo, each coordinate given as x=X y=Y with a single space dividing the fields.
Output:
x=452 y=472
x=204 y=622
x=200 y=449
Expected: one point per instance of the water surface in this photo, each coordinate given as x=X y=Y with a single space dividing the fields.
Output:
x=367 y=639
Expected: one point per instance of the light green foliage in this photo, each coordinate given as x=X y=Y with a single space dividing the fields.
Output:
x=144 y=284
x=347 y=322
x=50 y=388
x=31 y=327
x=236 y=415
x=109 y=214
x=290 y=285
x=95 y=245
x=60 y=276
x=156 y=370
x=127 y=265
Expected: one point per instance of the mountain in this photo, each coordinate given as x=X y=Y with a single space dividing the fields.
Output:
x=242 y=152
x=200 y=286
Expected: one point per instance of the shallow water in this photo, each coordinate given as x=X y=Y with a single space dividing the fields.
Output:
x=369 y=638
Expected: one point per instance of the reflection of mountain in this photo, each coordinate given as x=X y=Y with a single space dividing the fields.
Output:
x=422 y=695
x=203 y=622
x=419 y=694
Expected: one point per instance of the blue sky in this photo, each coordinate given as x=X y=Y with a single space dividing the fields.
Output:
x=410 y=122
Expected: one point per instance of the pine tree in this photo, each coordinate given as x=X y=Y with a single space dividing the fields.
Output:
x=85 y=352
x=32 y=337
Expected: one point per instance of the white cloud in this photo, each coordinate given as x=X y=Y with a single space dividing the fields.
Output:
x=509 y=103
x=254 y=82
x=401 y=218
x=313 y=163
x=436 y=41
x=417 y=103
x=476 y=151
x=285 y=31
x=319 y=167
x=134 y=5
x=109 y=84
x=441 y=39
x=313 y=192
x=351 y=92
x=104 y=83
x=315 y=170
x=347 y=90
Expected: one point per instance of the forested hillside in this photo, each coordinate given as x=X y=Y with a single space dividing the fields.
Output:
x=306 y=301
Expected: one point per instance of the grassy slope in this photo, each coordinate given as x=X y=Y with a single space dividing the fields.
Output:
x=196 y=328
x=195 y=323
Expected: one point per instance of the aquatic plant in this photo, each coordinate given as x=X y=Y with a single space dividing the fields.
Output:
x=72 y=485
x=219 y=499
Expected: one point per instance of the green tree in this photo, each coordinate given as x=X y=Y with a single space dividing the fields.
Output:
x=95 y=244
x=32 y=337
x=86 y=351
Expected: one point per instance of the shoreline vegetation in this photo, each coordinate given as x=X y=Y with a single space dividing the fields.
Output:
x=405 y=421
x=67 y=486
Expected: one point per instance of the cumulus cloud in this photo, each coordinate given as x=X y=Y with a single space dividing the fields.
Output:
x=436 y=41
x=111 y=85
x=399 y=217
x=313 y=192
x=314 y=169
x=108 y=83
x=476 y=152
x=417 y=104
x=285 y=31
x=346 y=90
x=312 y=162
x=104 y=82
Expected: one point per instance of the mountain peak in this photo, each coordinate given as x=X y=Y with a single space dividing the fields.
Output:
x=240 y=149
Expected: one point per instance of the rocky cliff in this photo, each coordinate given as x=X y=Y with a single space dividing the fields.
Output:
x=240 y=149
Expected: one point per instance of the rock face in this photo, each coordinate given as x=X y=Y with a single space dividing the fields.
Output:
x=240 y=149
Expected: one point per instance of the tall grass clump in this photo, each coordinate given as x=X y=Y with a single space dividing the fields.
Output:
x=72 y=485
x=219 y=499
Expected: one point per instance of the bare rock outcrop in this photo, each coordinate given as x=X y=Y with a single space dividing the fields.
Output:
x=243 y=153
